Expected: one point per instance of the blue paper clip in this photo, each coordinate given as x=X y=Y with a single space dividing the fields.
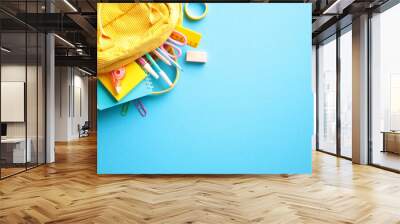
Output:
x=140 y=107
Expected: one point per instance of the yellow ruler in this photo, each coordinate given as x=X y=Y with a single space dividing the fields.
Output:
x=193 y=37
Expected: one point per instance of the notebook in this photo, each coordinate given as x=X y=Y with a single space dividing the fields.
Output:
x=134 y=74
x=106 y=100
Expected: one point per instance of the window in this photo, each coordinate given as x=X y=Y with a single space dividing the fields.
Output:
x=327 y=96
x=346 y=93
x=385 y=89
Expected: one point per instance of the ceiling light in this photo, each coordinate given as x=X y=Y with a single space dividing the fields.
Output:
x=84 y=71
x=70 y=5
x=65 y=41
x=5 y=50
x=337 y=7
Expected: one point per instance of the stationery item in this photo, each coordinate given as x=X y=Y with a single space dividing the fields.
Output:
x=196 y=56
x=191 y=16
x=158 y=69
x=162 y=51
x=140 y=107
x=178 y=38
x=147 y=67
x=124 y=109
x=161 y=57
x=117 y=76
x=105 y=100
x=192 y=37
x=134 y=74
x=145 y=88
x=173 y=47
x=148 y=25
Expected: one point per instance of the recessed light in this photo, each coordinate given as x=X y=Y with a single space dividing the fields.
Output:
x=64 y=40
x=70 y=5
x=5 y=50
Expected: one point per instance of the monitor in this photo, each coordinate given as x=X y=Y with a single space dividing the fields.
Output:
x=3 y=129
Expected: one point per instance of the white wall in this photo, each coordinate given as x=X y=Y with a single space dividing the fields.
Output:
x=71 y=93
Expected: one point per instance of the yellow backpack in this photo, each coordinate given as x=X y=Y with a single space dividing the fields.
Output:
x=126 y=31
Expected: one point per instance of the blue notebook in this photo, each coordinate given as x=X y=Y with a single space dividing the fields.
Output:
x=106 y=100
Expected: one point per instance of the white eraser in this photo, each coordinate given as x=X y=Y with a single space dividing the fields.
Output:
x=196 y=56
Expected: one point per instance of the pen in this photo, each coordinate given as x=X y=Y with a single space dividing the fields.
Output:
x=147 y=67
x=161 y=57
x=158 y=69
x=161 y=51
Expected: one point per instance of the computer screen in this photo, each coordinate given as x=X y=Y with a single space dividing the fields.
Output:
x=3 y=129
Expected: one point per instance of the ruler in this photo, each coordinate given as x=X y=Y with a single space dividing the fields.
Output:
x=193 y=37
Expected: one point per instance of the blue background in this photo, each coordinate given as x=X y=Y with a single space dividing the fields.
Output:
x=248 y=110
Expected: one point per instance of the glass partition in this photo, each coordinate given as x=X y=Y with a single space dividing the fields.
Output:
x=346 y=93
x=385 y=89
x=327 y=96
x=14 y=153
x=22 y=78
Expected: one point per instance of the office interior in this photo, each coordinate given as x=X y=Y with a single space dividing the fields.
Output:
x=334 y=60
x=31 y=60
x=48 y=83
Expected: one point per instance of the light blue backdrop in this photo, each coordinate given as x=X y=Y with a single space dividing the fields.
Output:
x=248 y=110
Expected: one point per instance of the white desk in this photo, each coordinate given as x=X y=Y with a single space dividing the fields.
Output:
x=19 y=149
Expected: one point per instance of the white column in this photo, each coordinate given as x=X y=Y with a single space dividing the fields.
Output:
x=360 y=90
x=50 y=100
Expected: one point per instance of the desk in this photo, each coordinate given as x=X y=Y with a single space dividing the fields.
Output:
x=18 y=150
x=391 y=141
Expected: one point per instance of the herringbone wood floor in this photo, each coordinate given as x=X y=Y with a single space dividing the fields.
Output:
x=70 y=191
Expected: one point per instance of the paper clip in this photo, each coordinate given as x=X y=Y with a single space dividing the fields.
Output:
x=124 y=109
x=140 y=107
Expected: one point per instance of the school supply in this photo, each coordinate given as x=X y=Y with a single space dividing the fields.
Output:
x=117 y=76
x=144 y=88
x=166 y=55
x=106 y=100
x=127 y=31
x=147 y=67
x=191 y=16
x=158 y=69
x=161 y=57
x=173 y=48
x=150 y=35
x=133 y=76
x=192 y=37
x=140 y=107
x=196 y=56
x=180 y=40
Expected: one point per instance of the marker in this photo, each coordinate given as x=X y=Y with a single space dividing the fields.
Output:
x=147 y=67
x=161 y=51
x=158 y=69
x=161 y=57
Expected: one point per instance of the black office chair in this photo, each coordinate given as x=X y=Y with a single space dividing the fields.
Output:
x=84 y=130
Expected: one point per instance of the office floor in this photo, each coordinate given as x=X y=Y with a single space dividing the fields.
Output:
x=387 y=159
x=70 y=191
